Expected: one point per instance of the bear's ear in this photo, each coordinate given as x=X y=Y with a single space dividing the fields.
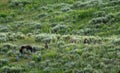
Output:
x=22 y=47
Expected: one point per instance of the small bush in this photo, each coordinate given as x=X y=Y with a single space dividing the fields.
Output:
x=80 y=4
x=3 y=62
x=30 y=34
x=36 y=57
x=2 y=40
x=5 y=19
x=57 y=13
x=3 y=15
x=42 y=15
x=19 y=35
x=100 y=14
x=62 y=5
x=49 y=70
x=108 y=19
x=88 y=70
x=114 y=2
x=10 y=53
x=7 y=69
x=44 y=38
x=3 y=37
x=6 y=47
x=117 y=16
x=9 y=46
x=116 y=42
x=47 y=8
x=53 y=24
x=37 y=25
x=59 y=29
x=43 y=8
x=11 y=36
x=4 y=29
x=60 y=44
x=78 y=51
x=65 y=9
x=36 y=48
x=16 y=3
x=32 y=64
x=66 y=37
x=98 y=20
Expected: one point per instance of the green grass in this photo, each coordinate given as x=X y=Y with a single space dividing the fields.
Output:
x=64 y=25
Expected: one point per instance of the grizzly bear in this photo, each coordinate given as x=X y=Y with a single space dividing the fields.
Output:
x=86 y=41
x=27 y=47
x=46 y=45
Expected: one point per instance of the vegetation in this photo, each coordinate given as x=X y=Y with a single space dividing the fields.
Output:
x=63 y=25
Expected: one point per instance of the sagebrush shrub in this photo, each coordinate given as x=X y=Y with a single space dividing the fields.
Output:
x=3 y=62
x=16 y=3
x=6 y=18
x=116 y=41
x=43 y=8
x=60 y=44
x=3 y=37
x=32 y=63
x=3 y=40
x=11 y=36
x=62 y=5
x=108 y=19
x=66 y=37
x=10 y=53
x=53 y=24
x=42 y=15
x=114 y=2
x=36 y=57
x=65 y=9
x=80 y=4
x=45 y=38
x=59 y=29
x=88 y=69
x=4 y=29
x=9 y=46
x=5 y=47
x=117 y=16
x=30 y=34
x=47 y=8
x=37 y=48
x=37 y=25
x=98 y=20
x=7 y=69
x=100 y=14
x=19 y=35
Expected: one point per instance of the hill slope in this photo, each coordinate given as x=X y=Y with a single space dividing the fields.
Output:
x=64 y=25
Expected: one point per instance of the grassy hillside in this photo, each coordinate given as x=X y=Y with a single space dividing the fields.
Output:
x=64 y=25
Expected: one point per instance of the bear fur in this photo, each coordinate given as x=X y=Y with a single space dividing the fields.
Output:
x=27 y=47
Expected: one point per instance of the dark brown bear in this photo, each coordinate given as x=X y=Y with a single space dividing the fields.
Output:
x=46 y=45
x=28 y=48
x=86 y=41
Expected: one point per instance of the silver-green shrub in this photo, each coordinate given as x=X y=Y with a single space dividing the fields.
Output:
x=7 y=69
x=3 y=62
